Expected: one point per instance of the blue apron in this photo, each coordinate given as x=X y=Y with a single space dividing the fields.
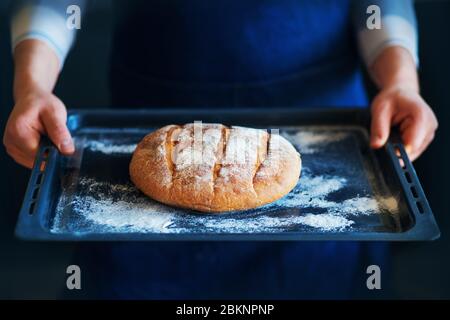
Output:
x=232 y=53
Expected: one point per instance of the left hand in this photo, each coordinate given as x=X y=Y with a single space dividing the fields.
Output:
x=405 y=108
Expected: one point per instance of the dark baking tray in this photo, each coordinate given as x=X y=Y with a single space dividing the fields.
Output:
x=59 y=186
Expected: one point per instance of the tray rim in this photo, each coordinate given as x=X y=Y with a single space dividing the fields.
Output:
x=425 y=227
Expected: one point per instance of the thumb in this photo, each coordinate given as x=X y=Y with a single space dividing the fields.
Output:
x=54 y=120
x=381 y=122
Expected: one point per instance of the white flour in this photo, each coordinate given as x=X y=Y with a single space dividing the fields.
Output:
x=109 y=148
x=326 y=222
x=123 y=215
x=107 y=207
x=132 y=212
x=308 y=142
x=359 y=205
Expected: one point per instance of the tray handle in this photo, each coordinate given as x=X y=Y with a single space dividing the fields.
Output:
x=413 y=191
x=37 y=178
x=34 y=213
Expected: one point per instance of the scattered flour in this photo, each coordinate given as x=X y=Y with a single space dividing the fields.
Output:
x=109 y=148
x=123 y=215
x=359 y=205
x=326 y=222
x=312 y=191
x=104 y=207
x=308 y=142
x=94 y=187
x=121 y=208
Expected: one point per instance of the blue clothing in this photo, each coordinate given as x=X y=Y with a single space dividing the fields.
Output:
x=232 y=41
x=315 y=67
x=250 y=36
x=229 y=270
x=237 y=54
x=337 y=84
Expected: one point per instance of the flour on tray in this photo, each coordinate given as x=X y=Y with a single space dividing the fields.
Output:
x=109 y=148
x=308 y=142
x=107 y=207
x=319 y=202
x=326 y=222
x=122 y=215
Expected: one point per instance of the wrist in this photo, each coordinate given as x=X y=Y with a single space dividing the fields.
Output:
x=29 y=87
x=400 y=84
x=395 y=68
x=36 y=68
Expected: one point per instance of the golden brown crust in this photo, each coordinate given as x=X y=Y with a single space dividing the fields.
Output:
x=213 y=168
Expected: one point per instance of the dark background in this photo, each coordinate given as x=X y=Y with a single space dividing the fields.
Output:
x=35 y=270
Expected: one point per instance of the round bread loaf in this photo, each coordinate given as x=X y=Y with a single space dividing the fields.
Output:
x=214 y=168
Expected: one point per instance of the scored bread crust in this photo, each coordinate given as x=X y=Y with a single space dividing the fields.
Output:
x=214 y=168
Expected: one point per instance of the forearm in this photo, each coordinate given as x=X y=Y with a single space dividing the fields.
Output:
x=36 y=67
x=40 y=41
x=37 y=111
x=390 y=53
x=399 y=103
x=395 y=68
x=46 y=21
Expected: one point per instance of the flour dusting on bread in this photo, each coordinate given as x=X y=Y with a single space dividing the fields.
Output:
x=214 y=168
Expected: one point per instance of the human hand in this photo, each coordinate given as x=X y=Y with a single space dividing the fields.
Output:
x=36 y=113
x=405 y=108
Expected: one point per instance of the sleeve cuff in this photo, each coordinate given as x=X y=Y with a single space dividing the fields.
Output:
x=45 y=24
x=395 y=31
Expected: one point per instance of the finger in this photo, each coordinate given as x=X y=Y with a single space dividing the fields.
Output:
x=20 y=157
x=25 y=162
x=26 y=154
x=55 y=126
x=381 y=123
x=413 y=135
x=24 y=137
x=423 y=147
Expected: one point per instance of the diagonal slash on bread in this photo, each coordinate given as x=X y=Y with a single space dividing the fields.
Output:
x=214 y=168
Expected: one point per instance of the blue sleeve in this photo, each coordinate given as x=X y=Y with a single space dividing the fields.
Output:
x=47 y=21
x=398 y=27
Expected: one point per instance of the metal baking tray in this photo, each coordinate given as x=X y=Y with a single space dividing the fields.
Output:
x=346 y=191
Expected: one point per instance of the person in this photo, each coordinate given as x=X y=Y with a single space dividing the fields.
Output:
x=227 y=53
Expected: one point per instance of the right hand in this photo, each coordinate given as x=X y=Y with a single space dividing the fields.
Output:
x=34 y=114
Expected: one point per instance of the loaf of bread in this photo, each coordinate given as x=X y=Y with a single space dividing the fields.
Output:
x=214 y=168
